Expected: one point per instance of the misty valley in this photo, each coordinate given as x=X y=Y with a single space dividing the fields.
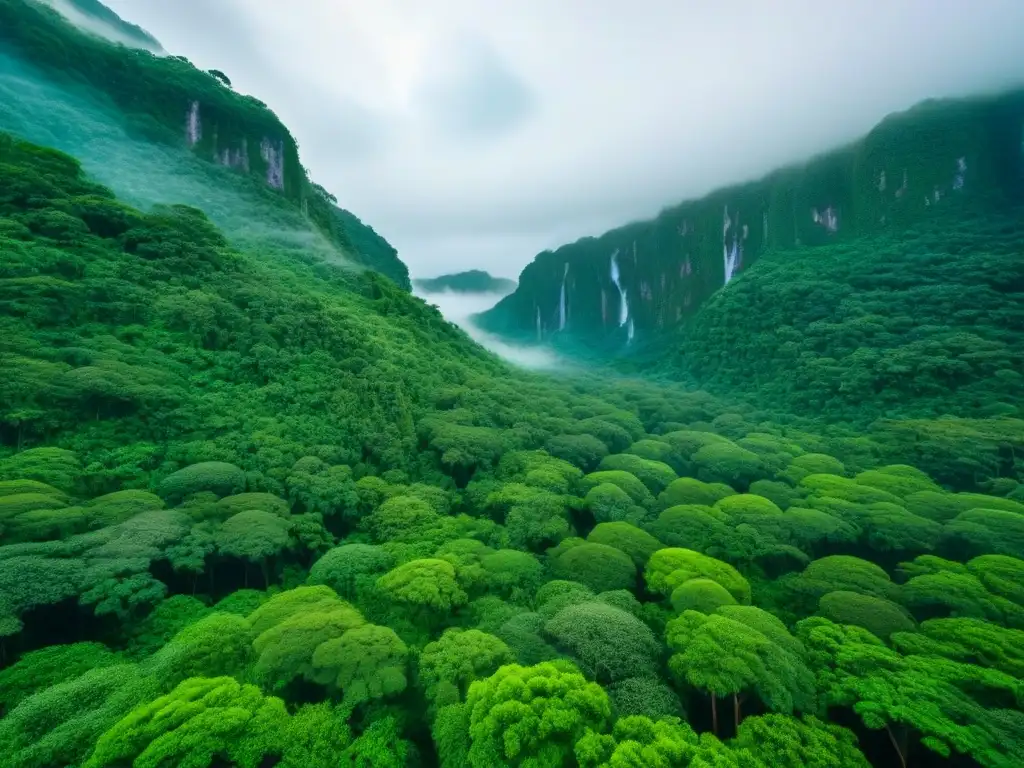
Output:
x=737 y=485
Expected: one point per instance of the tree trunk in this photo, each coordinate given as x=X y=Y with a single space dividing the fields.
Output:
x=736 y=710
x=899 y=752
x=714 y=715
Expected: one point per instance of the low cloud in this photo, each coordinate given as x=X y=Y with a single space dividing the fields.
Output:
x=101 y=27
x=458 y=308
x=474 y=95
x=475 y=134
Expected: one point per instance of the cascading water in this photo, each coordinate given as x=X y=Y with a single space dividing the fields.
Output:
x=732 y=259
x=730 y=256
x=624 y=302
x=193 y=124
x=274 y=156
x=961 y=169
x=562 y=310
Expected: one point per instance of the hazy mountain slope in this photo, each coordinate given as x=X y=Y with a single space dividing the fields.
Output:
x=634 y=282
x=473 y=281
x=94 y=17
x=156 y=129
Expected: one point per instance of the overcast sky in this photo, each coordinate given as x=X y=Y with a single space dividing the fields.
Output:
x=476 y=133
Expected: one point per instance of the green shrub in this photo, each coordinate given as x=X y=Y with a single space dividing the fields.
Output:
x=217 y=477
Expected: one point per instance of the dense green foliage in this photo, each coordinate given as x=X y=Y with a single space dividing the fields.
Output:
x=473 y=281
x=920 y=325
x=184 y=419
x=165 y=318
x=258 y=509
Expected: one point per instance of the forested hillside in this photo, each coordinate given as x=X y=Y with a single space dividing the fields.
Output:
x=259 y=508
x=925 y=324
x=159 y=130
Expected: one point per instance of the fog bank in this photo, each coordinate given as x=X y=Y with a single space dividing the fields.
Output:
x=458 y=308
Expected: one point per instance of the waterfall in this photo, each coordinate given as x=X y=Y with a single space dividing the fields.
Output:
x=732 y=259
x=274 y=157
x=624 y=302
x=193 y=124
x=961 y=169
x=562 y=313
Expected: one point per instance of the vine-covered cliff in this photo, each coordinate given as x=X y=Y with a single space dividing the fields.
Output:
x=165 y=100
x=948 y=156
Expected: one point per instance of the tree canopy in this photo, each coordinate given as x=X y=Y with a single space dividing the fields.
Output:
x=261 y=506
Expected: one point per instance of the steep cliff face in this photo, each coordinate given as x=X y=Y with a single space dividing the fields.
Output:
x=950 y=156
x=165 y=100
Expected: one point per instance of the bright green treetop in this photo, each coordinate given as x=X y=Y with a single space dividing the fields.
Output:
x=781 y=741
x=201 y=720
x=722 y=656
x=366 y=662
x=668 y=568
x=427 y=584
x=532 y=716
x=448 y=665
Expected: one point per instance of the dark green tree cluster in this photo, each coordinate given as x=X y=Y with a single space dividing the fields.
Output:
x=922 y=324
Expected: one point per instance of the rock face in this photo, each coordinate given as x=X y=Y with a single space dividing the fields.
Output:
x=473 y=281
x=941 y=157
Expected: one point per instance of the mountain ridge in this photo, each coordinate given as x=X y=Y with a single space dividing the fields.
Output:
x=646 y=277
x=101 y=20
x=165 y=101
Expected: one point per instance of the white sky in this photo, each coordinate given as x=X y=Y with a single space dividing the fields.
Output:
x=476 y=133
